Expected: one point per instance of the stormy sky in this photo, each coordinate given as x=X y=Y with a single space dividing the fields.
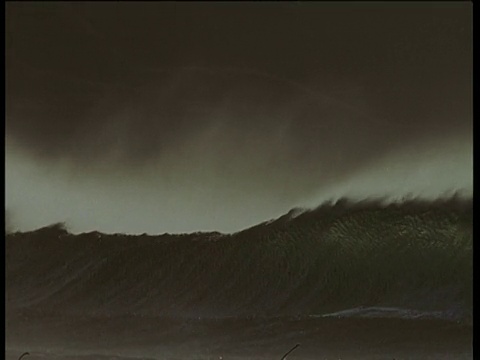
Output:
x=191 y=116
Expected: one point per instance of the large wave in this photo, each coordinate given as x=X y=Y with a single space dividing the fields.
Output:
x=414 y=257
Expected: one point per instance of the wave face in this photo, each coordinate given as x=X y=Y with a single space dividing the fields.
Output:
x=415 y=257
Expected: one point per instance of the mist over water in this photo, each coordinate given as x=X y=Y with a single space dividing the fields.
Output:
x=429 y=171
x=189 y=121
x=146 y=201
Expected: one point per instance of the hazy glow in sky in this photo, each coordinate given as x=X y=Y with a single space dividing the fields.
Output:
x=186 y=119
x=142 y=203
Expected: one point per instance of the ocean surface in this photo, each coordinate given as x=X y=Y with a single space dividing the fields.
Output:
x=347 y=280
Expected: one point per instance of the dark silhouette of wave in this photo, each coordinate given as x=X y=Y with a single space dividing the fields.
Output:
x=344 y=258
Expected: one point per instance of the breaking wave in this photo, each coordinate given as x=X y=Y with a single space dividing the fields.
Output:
x=410 y=260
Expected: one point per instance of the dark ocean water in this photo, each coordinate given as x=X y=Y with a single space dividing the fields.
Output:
x=351 y=281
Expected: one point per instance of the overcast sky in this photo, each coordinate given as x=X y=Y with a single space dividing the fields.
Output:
x=176 y=117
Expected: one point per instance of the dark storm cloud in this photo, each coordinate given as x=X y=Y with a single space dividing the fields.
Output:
x=301 y=93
